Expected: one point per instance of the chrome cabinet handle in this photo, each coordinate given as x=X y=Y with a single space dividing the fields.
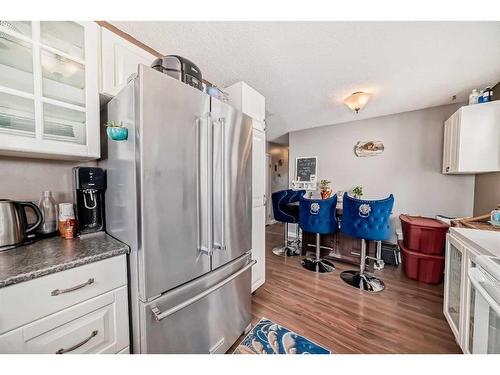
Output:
x=158 y=315
x=56 y=292
x=74 y=347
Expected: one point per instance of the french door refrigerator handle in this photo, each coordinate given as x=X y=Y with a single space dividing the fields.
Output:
x=203 y=248
x=159 y=315
x=222 y=141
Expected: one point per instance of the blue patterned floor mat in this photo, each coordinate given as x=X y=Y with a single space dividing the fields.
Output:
x=268 y=337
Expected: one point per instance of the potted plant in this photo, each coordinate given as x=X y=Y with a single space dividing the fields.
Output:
x=358 y=192
x=116 y=132
x=325 y=189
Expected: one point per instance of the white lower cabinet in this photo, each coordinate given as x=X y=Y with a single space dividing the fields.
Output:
x=468 y=310
x=81 y=310
x=99 y=325
x=258 y=246
x=454 y=280
x=458 y=299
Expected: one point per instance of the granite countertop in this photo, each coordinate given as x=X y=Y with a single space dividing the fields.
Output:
x=55 y=254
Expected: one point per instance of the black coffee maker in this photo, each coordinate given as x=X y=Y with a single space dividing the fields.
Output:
x=89 y=184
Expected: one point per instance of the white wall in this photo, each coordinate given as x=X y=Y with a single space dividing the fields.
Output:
x=279 y=171
x=409 y=167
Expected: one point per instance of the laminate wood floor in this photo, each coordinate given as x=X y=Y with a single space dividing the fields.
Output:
x=405 y=318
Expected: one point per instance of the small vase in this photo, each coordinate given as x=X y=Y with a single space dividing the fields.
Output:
x=117 y=133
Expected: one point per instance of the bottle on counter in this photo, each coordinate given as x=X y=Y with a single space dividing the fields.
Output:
x=495 y=218
x=67 y=221
x=486 y=95
x=48 y=208
x=473 y=97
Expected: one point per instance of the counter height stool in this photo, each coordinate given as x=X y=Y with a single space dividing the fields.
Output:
x=367 y=220
x=287 y=214
x=318 y=216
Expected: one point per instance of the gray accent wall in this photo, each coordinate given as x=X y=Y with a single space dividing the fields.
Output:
x=26 y=179
x=409 y=168
x=487 y=190
x=486 y=193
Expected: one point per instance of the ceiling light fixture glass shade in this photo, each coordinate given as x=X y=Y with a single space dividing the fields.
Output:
x=357 y=100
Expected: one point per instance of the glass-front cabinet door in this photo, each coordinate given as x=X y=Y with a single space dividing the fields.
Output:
x=453 y=285
x=470 y=296
x=49 y=104
x=484 y=334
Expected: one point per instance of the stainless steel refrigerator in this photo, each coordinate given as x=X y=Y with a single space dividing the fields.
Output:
x=179 y=193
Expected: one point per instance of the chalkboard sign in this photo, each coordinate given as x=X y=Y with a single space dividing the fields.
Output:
x=306 y=168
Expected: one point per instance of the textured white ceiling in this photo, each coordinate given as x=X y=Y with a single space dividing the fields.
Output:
x=306 y=69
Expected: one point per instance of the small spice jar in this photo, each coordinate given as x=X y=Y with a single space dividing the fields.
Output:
x=67 y=221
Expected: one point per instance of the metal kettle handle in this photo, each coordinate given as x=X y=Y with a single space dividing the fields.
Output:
x=38 y=213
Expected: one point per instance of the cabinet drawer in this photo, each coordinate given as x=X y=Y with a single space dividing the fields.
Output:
x=99 y=325
x=31 y=300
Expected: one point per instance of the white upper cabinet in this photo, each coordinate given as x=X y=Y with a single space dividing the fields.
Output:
x=49 y=104
x=247 y=100
x=119 y=60
x=472 y=139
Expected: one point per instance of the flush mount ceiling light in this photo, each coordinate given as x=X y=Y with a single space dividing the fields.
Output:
x=357 y=100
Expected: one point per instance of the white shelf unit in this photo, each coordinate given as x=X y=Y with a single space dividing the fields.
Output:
x=49 y=104
x=472 y=140
x=64 y=313
x=249 y=101
x=259 y=180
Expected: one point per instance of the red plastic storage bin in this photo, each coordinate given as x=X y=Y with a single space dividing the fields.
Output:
x=425 y=268
x=424 y=234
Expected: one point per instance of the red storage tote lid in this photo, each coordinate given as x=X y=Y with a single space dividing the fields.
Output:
x=422 y=221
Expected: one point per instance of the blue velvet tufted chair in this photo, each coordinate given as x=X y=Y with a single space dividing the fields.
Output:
x=318 y=216
x=285 y=212
x=367 y=220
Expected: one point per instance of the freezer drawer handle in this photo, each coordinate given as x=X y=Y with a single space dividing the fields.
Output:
x=158 y=315
x=74 y=347
x=56 y=292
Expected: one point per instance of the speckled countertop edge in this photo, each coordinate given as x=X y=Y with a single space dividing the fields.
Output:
x=107 y=247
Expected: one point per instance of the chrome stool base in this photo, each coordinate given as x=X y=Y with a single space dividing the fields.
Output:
x=363 y=282
x=289 y=248
x=288 y=251
x=317 y=265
